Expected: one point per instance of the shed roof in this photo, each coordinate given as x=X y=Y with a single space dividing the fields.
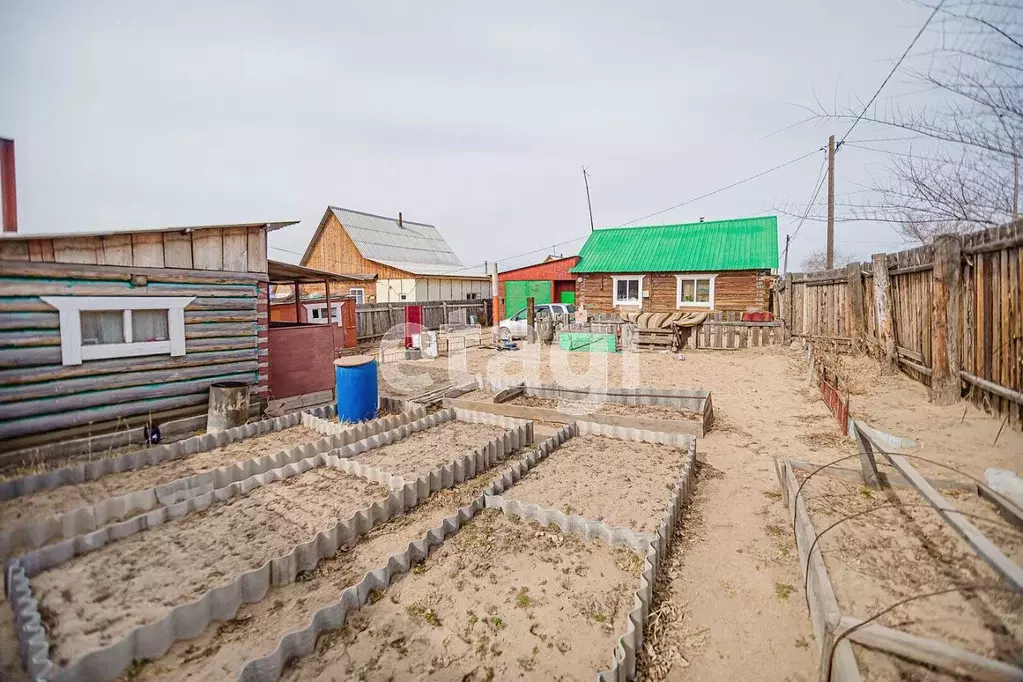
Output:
x=740 y=244
x=270 y=227
x=286 y=272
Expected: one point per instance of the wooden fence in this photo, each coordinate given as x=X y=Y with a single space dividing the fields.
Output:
x=948 y=314
x=373 y=320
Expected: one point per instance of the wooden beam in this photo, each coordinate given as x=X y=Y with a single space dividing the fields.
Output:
x=983 y=547
x=854 y=284
x=997 y=389
x=824 y=612
x=510 y=393
x=883 y=308
x=868 y=465
x=941 y=655
x=945 y=382
x=120 y=273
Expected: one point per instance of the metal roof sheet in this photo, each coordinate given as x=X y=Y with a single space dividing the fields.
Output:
x=474 y=271
x=381 y=239
x=740 y=244
x=270 y=227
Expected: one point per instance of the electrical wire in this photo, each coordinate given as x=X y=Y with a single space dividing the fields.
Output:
x=575 y=239
x=722 y=189
x=892 y=72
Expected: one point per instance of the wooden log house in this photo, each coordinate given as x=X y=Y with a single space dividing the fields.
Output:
x=105 y=332
x=714 y=266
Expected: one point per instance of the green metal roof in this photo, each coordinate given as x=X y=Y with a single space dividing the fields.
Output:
x=741 y=244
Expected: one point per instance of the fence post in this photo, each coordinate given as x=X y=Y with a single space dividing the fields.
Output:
x=945 y=321
x=789 y=309
x=883 y=306
x=854 y=282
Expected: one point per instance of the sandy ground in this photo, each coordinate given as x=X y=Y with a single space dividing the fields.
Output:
x=65 y=498
x=503 y=599
x=424 y=451
x=221 y=651
x=905 y=549
x=96 y=598
x=584 y=408
x=622 y=483
x=959 y=435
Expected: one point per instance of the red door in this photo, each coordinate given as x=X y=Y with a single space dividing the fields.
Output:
x=413 y=322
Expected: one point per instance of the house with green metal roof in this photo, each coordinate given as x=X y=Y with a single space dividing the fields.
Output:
x=721 y=265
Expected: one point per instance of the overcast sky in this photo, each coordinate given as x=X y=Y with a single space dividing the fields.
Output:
x=474 y=116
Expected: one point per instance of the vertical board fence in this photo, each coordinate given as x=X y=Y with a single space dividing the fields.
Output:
x=373 y=320
x=954 y=309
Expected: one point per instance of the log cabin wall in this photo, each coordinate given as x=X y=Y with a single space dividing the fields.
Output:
x=42 y=399
x=740 y=290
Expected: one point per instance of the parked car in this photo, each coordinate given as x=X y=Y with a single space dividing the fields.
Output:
x=514 y=327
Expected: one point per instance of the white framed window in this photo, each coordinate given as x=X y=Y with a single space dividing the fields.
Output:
x=694 y=291
x=317 y=313
x=359 y=294
x=627 y=290
x=103 y=327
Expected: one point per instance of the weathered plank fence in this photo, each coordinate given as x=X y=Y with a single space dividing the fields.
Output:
x=373 y=320
x=948 y=314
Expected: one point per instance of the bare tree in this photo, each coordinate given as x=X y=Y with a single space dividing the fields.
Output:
x=817 y=260
x=961 y=174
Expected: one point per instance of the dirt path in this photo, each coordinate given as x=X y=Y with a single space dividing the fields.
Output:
x=65 y=498
x=94 y=599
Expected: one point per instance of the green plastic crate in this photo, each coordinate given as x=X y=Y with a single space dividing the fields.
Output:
x=585 y=341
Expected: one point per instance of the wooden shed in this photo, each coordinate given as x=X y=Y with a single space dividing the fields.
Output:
x=548 y=282
x=104 y=332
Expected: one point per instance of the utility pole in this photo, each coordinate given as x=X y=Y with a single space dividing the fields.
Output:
x=589 y=205
x=785 y=264
x=831 y=204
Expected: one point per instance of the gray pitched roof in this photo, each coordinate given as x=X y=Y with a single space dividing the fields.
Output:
x=415 y=247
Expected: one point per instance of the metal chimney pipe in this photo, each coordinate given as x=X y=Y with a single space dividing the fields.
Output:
x=8 y=186
x=399 y=219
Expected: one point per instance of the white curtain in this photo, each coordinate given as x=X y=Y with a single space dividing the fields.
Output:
x=102 y=326
x=149 y=325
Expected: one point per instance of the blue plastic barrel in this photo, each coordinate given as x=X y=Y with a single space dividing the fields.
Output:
x=356 y=382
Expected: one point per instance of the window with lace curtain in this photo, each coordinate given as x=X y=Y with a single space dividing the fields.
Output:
x=103 y=327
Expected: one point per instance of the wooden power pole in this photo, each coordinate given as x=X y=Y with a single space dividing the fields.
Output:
x=589 y=205
x=785 y=263
x=831 y=204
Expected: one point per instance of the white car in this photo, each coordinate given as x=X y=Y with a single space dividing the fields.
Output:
x=514 y=327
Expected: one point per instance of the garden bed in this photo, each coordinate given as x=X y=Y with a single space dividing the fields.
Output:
x=224 y=647
x=65 y=498
x=622 y=483
x=94 y=599
x=500 y=600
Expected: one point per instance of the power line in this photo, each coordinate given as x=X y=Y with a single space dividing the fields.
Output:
x=722 y=189
x=813 y=200
x=892 y=72
x=579 y=238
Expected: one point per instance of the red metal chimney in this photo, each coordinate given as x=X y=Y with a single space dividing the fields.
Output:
x=399 y=219
x=8 y=186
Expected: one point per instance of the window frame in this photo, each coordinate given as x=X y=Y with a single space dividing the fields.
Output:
x=626 y=302
x=694 y=277
x=73 y=352
x=360 y=298
x=335 y=312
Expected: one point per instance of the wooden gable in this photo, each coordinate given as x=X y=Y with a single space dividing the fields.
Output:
x=334 y=251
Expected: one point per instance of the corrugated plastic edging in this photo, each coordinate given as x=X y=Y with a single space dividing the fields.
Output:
x=90 y=471
x=301 y=643
x=689 y=399
x=653 y=545
x=93 y=517
x=151 y=641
